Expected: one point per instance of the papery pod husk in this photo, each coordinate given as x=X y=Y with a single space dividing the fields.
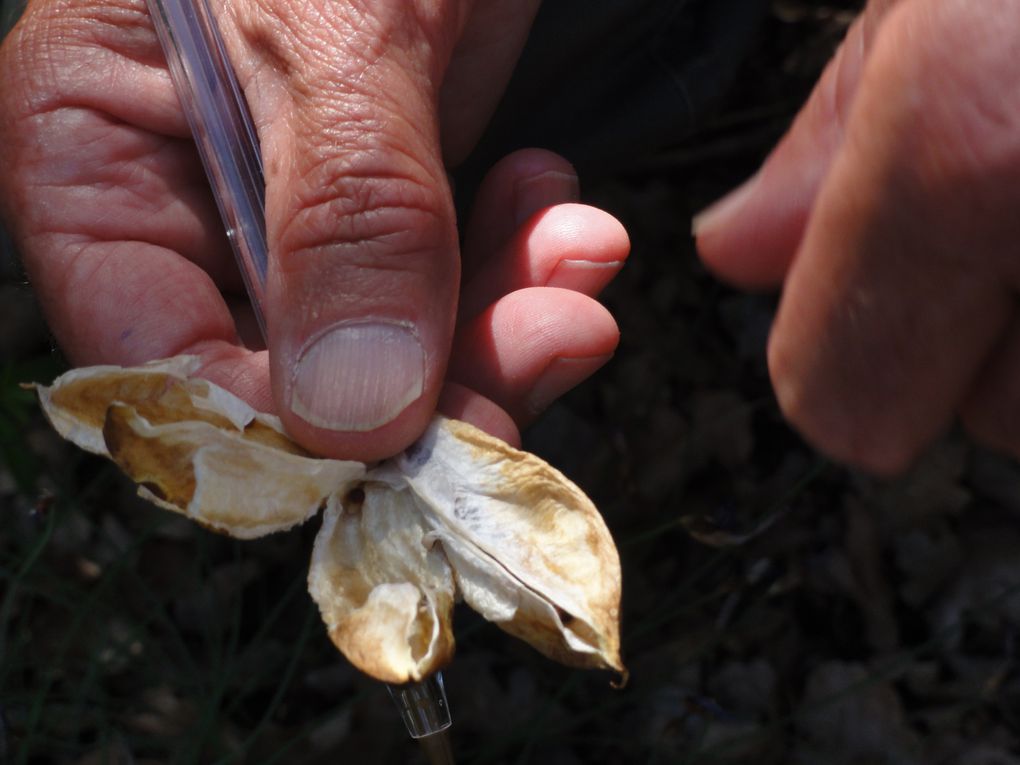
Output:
x=459 y=510
x=194 y=448
x=219 y=477
x=77 y=401
x=530 y=551
x=386 y=598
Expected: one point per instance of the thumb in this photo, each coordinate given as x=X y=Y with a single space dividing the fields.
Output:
x=749 y=237
x=364 y=266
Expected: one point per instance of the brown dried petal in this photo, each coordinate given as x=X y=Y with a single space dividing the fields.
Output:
x=529 y=549
x=193 y=447
x=76 y=402
x=218 y=477
x=385 y=597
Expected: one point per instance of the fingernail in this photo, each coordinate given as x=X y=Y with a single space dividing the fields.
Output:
x=358 y=376
x=721 y=213
x=581 y=275
x=540 y=191
x=560 y=376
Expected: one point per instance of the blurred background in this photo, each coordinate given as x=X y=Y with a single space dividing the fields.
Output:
x=777 y=608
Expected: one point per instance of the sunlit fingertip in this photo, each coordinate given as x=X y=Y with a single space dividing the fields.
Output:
x=502 y=201
x=512 y=352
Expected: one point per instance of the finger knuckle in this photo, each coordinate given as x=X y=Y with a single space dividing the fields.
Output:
x=57 y=50
x=849 y=425
x=374 y=210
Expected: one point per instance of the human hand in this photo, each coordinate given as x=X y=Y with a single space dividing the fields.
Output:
x=108 y=203
x=889 y=214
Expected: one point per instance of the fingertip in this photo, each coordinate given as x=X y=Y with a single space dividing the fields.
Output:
x=569 y=246
x=724 y=212
x=461 y=403
x=860 y=443
x=242 y=372
x=369 y=445
x=358 y=389
x=560 y=375
x=514 y=189
x=575 y=247
x=742 y=238
x=749 y=238
x=532 y=346
x=534 y=193
x=860 y=431
x=519 y=167
x=357 y=375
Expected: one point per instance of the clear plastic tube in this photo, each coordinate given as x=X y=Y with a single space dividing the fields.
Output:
x=223 y=130
x=422 y=706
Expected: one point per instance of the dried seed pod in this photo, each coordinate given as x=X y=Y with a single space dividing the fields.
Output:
x=77 y=401
x=530 y=551
x=220 y=476
x=194 y=448
x=386 y=598
x=458 y=513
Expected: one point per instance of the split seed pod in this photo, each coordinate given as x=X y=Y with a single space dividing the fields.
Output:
x=459 y=514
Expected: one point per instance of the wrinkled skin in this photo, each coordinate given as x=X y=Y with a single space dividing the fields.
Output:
x=889 y=215
x=360 y=107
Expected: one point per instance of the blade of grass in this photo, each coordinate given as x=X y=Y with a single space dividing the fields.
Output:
x=72 y=634
x=284 y=685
